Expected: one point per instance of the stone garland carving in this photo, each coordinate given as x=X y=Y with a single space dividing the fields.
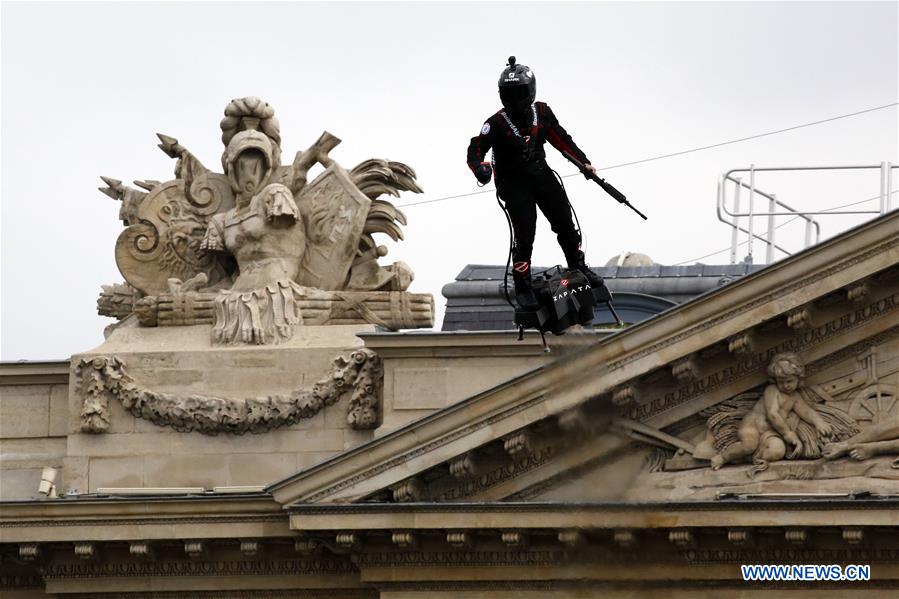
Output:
x=253 y=238
x=95 y=379
x=102 y=377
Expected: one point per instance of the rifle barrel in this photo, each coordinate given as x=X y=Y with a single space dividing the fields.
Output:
x=607 y=187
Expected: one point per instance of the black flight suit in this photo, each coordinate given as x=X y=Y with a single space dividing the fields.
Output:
x=525 y=182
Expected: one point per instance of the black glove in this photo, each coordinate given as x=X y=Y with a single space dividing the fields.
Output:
x=483 y=173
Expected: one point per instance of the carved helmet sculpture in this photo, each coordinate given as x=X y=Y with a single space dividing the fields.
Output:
x=166 y=224
x=246 y=141
x=254 y=114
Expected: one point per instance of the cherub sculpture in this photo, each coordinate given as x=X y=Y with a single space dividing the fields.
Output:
x=247 y=249
x=789 y=420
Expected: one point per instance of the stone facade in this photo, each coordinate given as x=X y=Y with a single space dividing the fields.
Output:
x=218 y=445
x=44 y=427
x=494 y=469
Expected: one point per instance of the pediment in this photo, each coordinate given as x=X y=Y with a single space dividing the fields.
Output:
x=644 y=395
x=863 y=386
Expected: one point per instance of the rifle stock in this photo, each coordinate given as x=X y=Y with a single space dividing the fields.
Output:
x=607 y=187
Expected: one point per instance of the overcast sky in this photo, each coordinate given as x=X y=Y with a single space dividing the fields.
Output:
x=86 y=86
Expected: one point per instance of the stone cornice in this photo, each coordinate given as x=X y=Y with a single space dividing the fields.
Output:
x=424 y=344
x=560 y=385
x=119 y=519
x=613 y=516
x=98 y=505
x=245 y=594
x=54 y=372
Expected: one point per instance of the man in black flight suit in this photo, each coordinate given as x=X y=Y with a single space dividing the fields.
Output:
x=524 y=181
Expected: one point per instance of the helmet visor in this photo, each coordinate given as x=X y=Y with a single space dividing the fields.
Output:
x=515 y=95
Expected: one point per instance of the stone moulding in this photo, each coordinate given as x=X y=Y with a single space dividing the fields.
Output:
x=359 y=373
x=188 y=567
x=760 y=300
x=754 y=362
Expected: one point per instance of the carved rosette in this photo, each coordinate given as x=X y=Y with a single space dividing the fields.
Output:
x=359 y=373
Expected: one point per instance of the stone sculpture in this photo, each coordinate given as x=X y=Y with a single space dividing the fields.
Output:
x=877 y=439
x=790 y=420
x=257 y=250
x=100 y=378
x=876 y=406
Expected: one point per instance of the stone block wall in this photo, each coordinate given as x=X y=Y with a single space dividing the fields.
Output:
x=40 y=406
x=33 y=424
x=427 y=371
x=134 y=452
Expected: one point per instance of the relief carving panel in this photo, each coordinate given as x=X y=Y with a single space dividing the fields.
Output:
x=100 y=378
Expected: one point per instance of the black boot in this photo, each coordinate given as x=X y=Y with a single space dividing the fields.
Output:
x=580 y=265
x=524 y=293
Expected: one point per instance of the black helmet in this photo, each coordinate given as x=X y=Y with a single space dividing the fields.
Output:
x=517 y=87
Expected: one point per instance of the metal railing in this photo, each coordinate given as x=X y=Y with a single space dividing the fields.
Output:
x=812 y=226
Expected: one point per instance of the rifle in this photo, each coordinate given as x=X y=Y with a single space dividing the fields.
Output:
x=607 y=187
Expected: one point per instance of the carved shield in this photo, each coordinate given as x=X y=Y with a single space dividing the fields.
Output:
x=334 y=212
x=165 y=241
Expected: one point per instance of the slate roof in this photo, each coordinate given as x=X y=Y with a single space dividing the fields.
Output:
x=475 y=300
